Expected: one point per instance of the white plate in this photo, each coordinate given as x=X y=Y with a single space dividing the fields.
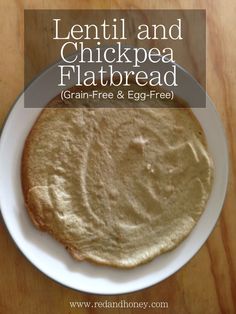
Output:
x=48 y=255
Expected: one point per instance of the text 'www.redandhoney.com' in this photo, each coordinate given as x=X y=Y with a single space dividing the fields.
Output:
x=122 y=304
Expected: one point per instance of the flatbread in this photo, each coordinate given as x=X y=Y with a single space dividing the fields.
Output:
x=116 y=186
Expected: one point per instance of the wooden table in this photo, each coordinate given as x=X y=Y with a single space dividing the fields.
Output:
x=207 y=284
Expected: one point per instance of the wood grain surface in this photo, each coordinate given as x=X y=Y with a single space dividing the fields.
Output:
x=207 y=284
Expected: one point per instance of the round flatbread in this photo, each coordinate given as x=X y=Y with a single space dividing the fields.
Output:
x=116 y=186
